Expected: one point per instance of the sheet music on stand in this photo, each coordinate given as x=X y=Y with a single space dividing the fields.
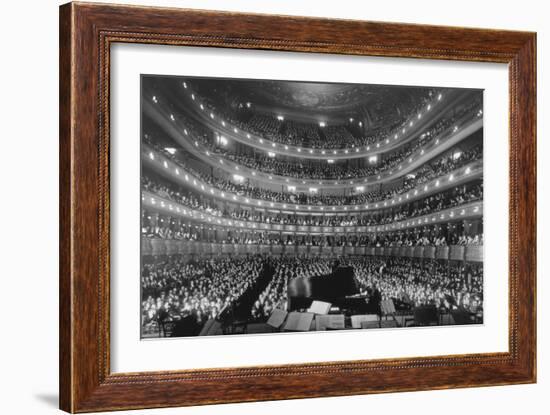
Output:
x=299 y=321
x=330 y=322
x=319 y=307
x=277 y=318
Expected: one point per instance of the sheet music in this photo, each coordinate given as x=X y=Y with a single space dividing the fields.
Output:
x=319 y=307
x=299 y=321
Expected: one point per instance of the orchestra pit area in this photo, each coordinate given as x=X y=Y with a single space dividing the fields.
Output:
x=281 y=207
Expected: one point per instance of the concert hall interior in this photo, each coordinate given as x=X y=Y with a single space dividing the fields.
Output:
x=281 y=206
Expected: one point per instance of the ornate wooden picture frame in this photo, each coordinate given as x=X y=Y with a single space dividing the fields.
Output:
x=87 y=32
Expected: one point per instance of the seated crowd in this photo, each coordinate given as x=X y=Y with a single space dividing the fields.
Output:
x=321 y=170
x=173 y=288
x=404 y=280
x=433 y=203
x=426 y=172
x=433 y=235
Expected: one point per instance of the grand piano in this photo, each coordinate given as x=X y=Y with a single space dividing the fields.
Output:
x=338 y=288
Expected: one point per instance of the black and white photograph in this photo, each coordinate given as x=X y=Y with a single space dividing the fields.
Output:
x=275 y=206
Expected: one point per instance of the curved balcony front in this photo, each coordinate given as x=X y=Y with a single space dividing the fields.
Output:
x=439 y=144
x=414 y=124
x=154 y=246
x=177 y=174
x=156 y=203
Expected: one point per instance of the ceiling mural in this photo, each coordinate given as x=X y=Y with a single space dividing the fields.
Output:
x=311 y=101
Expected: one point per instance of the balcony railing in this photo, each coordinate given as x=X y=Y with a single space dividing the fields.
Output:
x=154 y=202
x=462 y=129
x=471 y=253
x=177 y=173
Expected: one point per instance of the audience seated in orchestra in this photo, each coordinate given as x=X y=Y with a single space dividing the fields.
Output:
x=173 y=288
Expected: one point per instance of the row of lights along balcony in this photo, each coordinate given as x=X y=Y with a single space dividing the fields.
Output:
x=228 y=165
x=470 y=210
x=378 y=146
x=411 y=194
